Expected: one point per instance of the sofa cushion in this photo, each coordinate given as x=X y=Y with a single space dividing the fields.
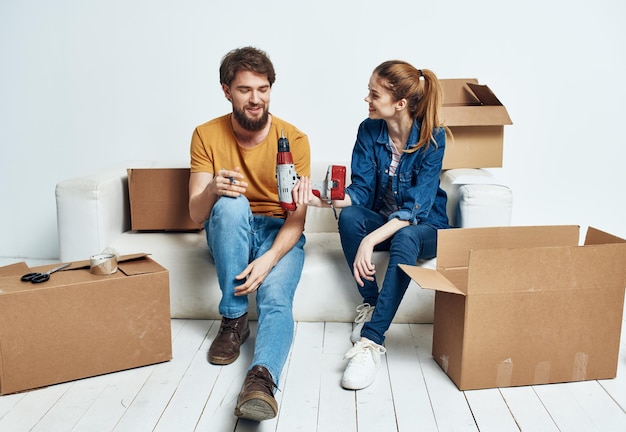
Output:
x=326 y=292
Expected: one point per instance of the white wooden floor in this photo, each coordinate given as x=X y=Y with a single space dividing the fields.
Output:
x=411 y=393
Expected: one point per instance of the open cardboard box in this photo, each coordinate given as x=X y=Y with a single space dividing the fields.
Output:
x=79 y=325
x=159 y=199
x=526 y=305
x=476 y=118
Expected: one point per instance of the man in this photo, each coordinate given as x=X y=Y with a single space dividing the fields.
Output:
x=256 y=245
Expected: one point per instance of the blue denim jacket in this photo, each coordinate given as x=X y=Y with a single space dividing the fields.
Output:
x=416 y=183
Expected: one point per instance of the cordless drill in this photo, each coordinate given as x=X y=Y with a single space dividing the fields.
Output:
x=285 y=173
x=331 y=188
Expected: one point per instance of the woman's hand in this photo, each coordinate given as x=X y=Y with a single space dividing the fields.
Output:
x=363 y=268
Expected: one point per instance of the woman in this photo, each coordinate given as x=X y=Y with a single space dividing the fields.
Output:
x=393 y=203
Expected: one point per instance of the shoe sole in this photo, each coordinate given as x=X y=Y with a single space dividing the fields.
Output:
x=256 y=410
x=223 y=361
x=352 y=386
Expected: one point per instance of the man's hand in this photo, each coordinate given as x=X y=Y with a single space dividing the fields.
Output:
x=229 y=183
x=302 y=193
x=254 y=274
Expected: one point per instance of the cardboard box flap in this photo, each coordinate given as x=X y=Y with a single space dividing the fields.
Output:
x=547 y=269
x=467 y=103
x=430 y=279
x=122 y=258
x=595 y=236
x=136 y=267
x=456 y=92
x=16 y=269
x=454 y=245
x=128 y=265
x=484 y=94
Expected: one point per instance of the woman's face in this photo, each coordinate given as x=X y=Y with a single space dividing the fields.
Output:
x=381 y=102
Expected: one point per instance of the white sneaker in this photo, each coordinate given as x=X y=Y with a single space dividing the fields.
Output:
x=364 y=314
x=364 y=363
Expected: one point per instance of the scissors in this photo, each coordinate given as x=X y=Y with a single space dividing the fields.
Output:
x=42 y=277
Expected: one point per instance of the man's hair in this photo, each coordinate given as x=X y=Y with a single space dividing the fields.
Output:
x=246 y=59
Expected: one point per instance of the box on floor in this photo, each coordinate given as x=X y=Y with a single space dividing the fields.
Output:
x=78 y=325
x=526 y=305
x=476 y=119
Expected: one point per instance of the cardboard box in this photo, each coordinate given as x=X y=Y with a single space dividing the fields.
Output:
x=476 y=118
x=526 y=305
x=159 y=199
x=79 y=325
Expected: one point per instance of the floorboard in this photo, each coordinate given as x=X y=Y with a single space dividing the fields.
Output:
x=71 y=407
x=190 y=396
x=146 y=408
x=374 y=404
x=337 y=406
x=582 y=406
x=301 y=384
x=411 y=399
x=450 y=407
x=30 y=409
x=490 y=411
x=527 y=409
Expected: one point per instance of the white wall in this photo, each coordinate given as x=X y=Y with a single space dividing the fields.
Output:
x=85 y=85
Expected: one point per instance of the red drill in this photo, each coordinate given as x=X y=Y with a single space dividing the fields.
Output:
x=285 y=173
x=331 y=188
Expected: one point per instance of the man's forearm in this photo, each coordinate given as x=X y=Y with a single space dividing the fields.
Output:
x=200 y=205
x=289 y=234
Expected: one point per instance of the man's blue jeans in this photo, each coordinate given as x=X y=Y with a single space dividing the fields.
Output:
x=236 y=237
x=407 y=245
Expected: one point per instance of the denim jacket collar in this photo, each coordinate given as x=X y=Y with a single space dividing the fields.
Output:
x=383 y=137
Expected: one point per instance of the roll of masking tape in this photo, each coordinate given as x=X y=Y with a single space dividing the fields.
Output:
x=103 y=264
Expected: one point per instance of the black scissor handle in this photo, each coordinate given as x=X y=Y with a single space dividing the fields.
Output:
x=35 y=277
x=42 y=277
x=39 y=278
x=29 y=277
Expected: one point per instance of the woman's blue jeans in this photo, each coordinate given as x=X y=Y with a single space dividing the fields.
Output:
x=407 y=245
x=236 y=237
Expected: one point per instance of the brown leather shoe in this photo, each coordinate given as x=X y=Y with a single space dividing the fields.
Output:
x=256 y=399
x=225 y=347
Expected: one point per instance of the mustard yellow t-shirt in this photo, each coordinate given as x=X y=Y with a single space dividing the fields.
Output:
x=214 y=146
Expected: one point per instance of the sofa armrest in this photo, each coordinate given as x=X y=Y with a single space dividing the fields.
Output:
x=91 y=212
x=475 y=199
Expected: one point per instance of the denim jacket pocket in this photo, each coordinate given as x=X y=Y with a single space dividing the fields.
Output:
x=405 y=182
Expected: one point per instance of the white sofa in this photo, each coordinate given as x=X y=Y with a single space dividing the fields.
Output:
x=93 y=216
